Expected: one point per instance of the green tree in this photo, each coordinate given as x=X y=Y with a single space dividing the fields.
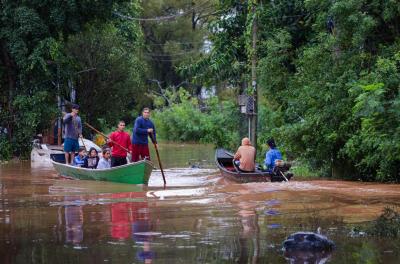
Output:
x=174 y=32
x=328 y=88
x=32 y=38
x=109 y=85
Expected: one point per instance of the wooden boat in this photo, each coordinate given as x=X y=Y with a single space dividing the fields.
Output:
x=133 y=173
x=224 y=161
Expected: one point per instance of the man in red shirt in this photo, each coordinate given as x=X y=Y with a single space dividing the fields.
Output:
x=118 y=154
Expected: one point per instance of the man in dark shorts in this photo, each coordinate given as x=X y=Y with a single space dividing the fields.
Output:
x=122 y=138
x=142 y=128
x=73 y=130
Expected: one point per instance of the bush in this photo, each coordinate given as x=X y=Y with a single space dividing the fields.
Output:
x=183 y=120
x=5 y=148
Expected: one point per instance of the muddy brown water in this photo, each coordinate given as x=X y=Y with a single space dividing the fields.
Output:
x=198 y=218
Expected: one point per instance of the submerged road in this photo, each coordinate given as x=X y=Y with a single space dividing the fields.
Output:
x=198 y=218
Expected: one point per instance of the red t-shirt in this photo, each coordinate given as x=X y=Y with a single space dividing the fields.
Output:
x=123 y=139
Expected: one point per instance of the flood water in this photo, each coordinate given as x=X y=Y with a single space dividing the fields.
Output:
x=198 y=218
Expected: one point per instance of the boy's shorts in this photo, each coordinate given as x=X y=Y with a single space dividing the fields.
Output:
x=71 y=145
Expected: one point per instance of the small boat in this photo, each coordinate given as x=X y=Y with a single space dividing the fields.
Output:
x=133 y=173
x=224 y=161
x=43 y=154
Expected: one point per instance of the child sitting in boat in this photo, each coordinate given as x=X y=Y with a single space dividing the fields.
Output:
x=92 y=159
x=105 y=161
x=79 y=160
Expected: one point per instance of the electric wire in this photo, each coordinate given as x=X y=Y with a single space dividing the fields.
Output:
x=161 y=18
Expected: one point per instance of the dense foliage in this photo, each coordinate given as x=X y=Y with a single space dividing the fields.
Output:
x=328 y=76
x=214 y=122
x=43 y=47
x=113 y=82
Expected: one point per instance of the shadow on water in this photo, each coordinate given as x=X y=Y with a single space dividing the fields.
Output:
x=198 y=218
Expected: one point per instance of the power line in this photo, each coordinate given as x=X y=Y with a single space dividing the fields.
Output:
x=164 y=59
x=172 y=54
x=174 y=42
x=161 y=18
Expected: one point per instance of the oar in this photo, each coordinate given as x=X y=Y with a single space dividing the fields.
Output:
x=97 y=131
x=283 y=175
x=83 y=142
x=158 y=156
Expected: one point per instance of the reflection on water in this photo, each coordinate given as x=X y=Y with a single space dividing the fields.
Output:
x=317 y=257
x=73 y=224
x=198 y=218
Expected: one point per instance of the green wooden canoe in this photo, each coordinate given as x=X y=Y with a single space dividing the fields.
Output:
x=133 y=173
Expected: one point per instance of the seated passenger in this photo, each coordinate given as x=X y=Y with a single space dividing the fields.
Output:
x=105 y=161
x=80 y=159
x=245 y=156
x=272 y=155
x=92 y=159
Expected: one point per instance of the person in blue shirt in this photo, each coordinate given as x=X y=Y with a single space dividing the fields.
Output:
x=272 y=154
x=142 y=129
x=80 y=159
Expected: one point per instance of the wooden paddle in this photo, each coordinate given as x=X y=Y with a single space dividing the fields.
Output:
x=97 y=131
x=158 y=156
x=83 y=142
x=283 y=175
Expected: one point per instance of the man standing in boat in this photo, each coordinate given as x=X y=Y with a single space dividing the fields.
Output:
x=73 y=130
x=142 y=129
x=117 y=140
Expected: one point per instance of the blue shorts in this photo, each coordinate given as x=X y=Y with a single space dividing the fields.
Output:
x=71 y=145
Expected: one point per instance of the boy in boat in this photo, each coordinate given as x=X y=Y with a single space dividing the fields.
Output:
x=80 y=159
x=73 y=130
x=272 y=155
x=116 y=140
x=105 y=161
x=142 y=129
x=245 y=156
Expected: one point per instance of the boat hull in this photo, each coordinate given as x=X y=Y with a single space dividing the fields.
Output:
x=245 y=177
x=132 y=173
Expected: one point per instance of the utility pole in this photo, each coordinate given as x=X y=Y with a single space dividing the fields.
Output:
x=59 y=139
x=253 y=122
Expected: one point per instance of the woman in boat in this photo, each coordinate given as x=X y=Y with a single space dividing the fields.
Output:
x=245 y=156
x=92 y=159
x=80 y=159
x=105 y=161
x=272 y=155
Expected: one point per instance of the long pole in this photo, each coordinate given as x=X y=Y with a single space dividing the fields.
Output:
x=59 y=136
x=83 y=142
x=97 y=131
x=253 y=136
x=158 y=156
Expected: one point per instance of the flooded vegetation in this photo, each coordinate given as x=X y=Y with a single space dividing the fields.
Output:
x=198 y=218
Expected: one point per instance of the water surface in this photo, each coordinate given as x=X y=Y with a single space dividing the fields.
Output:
x=198 y=218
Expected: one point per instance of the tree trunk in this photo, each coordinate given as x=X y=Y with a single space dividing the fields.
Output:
x=11 y=73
